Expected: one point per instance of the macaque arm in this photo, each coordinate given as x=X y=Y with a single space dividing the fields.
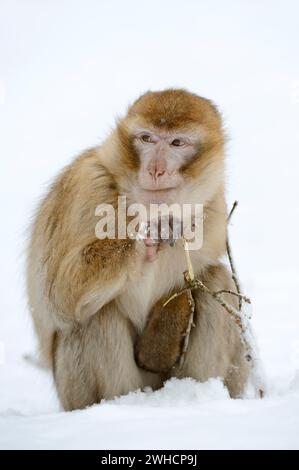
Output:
x=159 y=347
x=83 y=272
x=89 y=276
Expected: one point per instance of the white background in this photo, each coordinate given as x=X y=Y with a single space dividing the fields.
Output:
x=67 y=69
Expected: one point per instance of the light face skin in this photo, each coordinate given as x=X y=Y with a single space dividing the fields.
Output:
x=162 y=154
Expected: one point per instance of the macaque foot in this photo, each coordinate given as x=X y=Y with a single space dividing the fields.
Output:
x=159 y=347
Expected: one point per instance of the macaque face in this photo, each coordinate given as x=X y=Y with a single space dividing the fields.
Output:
x=171 y=145
x=162 y=154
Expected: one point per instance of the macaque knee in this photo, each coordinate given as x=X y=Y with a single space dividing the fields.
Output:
x=75 y=375
x=95 y=361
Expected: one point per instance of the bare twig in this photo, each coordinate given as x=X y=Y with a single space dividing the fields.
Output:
x=241 y=296
x=188 y=330
x=215 y=294
x=230 y=257
x=192 y=283
x=188 y=259
x=246 y=335
x=229 y=308
x=176 y=294
x=232 y=211
x=190 y=272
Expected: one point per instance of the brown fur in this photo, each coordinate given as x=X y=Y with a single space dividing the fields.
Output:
x=90 y=299
x=172 y=109
x=160 y=344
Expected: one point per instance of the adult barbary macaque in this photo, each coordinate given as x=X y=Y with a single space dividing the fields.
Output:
x=97 y=304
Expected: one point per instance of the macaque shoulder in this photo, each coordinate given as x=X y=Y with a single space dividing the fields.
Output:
x=89 y=178
x=68 y=210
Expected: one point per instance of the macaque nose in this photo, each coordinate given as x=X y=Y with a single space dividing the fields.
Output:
x=156 y=170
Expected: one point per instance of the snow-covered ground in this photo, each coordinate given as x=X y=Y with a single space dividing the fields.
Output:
x=67 y=68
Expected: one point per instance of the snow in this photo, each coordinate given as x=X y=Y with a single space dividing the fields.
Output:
x=67 y=69
x=182 y=415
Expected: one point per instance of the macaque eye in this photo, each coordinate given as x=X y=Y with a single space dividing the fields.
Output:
x=177 y=142
x=146 y=138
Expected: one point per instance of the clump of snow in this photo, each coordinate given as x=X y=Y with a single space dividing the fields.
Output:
x=142 y=233
x=184 y=392
x=184 y=414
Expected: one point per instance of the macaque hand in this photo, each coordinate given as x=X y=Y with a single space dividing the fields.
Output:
x=166 y=230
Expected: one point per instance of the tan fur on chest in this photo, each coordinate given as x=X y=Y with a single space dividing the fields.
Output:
x=155 y=280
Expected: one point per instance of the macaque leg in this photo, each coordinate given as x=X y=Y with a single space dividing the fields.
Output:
x=95 y=361
x=215 y=348
x=160 y=344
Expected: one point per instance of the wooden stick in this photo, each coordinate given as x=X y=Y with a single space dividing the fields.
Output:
x=241 y=296
x=230 y=257
x=235 y=204
x=188 y=259
x=188 y=330
x=191 y=283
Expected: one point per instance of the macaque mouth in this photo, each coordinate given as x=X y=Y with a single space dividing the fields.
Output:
x=158 y=196
x=158 y=188
x=159 y=184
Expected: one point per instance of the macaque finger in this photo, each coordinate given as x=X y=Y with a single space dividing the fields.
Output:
x=151 y=249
